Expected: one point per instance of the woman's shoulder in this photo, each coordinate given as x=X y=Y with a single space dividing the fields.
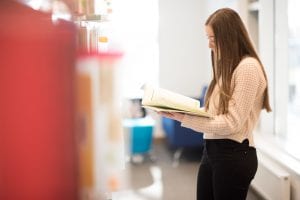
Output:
x=249 y=61
x=249 y=66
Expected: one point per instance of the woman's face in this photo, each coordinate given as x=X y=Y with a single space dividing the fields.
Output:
x=210 y=36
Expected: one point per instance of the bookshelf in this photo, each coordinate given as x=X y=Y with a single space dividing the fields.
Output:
x=101 y=147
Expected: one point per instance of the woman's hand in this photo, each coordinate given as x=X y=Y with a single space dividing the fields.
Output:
x=173 y=115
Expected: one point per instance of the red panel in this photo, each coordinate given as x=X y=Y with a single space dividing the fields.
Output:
x=38 y=157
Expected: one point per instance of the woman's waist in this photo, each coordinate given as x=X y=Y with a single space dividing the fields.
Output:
x=226 y=146
x=233 y=137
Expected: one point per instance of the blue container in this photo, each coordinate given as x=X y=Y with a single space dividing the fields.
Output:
x=141 y=133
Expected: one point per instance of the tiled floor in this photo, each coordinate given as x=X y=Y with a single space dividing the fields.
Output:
x=160 y=180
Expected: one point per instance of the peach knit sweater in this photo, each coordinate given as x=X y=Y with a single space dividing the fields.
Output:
x=248 y=83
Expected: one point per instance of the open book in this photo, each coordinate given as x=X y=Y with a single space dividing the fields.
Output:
x=163 y=100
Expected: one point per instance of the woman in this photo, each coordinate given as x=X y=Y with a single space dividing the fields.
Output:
x=235 y=97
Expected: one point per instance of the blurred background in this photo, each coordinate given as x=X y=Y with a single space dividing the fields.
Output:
x=71 y=121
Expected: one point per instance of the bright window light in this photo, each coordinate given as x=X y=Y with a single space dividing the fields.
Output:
x=136 y=22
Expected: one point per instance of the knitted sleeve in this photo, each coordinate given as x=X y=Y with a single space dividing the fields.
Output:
x=246 y=83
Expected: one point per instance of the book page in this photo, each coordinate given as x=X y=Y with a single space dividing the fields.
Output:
x=163 y=98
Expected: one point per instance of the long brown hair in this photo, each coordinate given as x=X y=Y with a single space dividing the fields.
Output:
x=232 y=44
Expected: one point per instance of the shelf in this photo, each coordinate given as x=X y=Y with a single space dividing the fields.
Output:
x=93 y=18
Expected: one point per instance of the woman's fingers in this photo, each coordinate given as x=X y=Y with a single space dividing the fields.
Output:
x=172 y=115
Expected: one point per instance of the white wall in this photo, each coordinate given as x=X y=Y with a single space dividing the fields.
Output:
x=184 y=58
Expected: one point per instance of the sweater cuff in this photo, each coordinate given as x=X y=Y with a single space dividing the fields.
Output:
x=185 y=121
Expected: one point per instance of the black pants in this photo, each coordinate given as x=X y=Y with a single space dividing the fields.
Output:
x=226 y=170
